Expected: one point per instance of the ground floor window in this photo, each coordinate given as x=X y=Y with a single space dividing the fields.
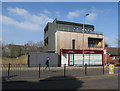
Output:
x=77 y=59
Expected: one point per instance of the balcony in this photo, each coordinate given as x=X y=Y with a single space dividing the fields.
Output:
x=94 y=46
x=80 y=31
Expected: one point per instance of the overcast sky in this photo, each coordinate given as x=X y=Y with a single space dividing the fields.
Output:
x=23 y=22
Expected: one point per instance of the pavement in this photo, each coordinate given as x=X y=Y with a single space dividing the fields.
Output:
x=53 y=68
x=70 y=71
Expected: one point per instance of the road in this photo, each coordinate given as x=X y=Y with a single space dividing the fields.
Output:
x=86 y=82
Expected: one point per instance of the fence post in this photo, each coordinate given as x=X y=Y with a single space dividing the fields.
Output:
x=39 y=70
x=103 y=69
x=85 y=69
x=9 y=71
x=64 y=70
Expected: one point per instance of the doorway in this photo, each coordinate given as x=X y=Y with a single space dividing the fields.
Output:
x=71 y=59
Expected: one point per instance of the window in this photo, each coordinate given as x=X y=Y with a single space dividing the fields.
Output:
x=75 y=29
x=73 y=44
x=46 y=41
x=46 y=29
x=95 y=42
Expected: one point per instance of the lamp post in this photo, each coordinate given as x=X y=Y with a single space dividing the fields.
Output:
x=83 y=36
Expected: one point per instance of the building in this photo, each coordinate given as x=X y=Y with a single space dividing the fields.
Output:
x=66 y=39
x=112 y=55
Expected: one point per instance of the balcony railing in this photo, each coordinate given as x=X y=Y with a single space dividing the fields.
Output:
x=95 y=46
x=80 y=31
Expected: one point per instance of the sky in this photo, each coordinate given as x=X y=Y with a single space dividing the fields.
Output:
x=119 y=24
x=25 y=21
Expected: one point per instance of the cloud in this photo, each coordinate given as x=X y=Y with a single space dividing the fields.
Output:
x=30 y=21
x=7 y=20
x=0 y=18
x=41 y=19
x=75 y=14
x=46 y=11
x=91 y=17
x=17 y=11
x=95 y=10
x=23 y=25
x=57 y=13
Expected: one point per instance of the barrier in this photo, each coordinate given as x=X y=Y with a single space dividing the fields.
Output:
x=111 y=69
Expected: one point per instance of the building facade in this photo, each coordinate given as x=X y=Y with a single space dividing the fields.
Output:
x=66 y=39
x=112 y=55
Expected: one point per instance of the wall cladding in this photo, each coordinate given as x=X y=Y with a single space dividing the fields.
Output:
x=36 y=58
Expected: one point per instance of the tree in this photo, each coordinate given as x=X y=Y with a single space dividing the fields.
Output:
x=34 y=47
x=12 y=50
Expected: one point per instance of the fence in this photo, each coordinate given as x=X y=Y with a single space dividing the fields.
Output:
x=11 y=71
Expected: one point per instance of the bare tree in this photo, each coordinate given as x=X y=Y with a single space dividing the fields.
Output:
x=34 y=47
x=30 y=43
x=12 y=50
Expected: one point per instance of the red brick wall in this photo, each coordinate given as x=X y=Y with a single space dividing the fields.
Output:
x=109 y=59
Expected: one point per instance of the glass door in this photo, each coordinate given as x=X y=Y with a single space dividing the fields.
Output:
x=71 y=60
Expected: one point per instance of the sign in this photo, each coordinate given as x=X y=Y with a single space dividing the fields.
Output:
x=89 y=52
x=83 y=55
x=70 y=52
x=81 y=51
x=111 y=69
x=105 y=51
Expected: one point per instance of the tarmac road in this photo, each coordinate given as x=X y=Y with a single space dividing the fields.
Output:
x=86 y=82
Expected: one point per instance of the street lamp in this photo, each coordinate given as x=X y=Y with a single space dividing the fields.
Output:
x=83 y=36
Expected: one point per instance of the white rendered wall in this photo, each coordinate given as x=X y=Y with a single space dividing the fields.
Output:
x=64 y=59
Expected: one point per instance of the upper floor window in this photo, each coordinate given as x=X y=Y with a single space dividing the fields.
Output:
x=73 y=44
x=75 y=28
x=95 y=42
x=46 y=41
x=46 y=29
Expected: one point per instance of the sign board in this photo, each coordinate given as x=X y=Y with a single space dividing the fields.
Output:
x=104 y=51
x=81 y=51
x=111 y=69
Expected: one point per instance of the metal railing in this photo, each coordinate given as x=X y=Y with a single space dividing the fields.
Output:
x=37 y=71
x=95 y=46
x=80 y=31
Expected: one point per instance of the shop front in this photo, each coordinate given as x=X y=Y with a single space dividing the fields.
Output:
x=75 y=57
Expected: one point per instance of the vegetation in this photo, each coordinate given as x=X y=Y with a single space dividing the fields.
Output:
x=14 y=51
x=17 y=54
x=20 y=60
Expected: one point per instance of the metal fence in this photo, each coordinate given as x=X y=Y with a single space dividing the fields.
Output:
x=11 y=71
